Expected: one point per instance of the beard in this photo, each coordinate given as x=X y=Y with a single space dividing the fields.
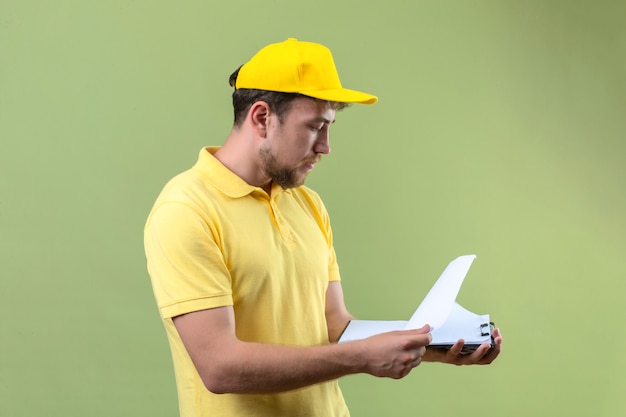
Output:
x=280 y=175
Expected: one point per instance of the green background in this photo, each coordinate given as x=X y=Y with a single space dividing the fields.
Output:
x=500 y=131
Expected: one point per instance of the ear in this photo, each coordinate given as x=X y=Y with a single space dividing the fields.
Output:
x=259 y=116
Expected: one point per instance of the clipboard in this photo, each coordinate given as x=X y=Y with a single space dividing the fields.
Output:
x=448 y=320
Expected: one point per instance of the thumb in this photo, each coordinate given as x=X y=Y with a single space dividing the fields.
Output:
x=424 y=329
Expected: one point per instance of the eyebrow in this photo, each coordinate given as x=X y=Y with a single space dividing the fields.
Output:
x=324 y=120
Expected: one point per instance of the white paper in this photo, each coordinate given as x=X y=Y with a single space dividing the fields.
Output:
x=438 y=303
x=448 y=320
x=362 y=329
x=462 y=324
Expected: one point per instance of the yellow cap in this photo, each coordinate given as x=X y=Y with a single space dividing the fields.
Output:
x=298 y=67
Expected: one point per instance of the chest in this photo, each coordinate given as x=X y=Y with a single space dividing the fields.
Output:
x=278 y=245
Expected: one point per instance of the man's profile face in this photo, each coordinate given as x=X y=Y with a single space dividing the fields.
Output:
x=295 y=145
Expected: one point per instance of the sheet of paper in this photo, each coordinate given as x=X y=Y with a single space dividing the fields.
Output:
x=440 y=300
x=462 y=324
x=448 y=320
x=362 y=329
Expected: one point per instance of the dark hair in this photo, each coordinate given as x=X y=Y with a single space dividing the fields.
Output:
x=279 y=102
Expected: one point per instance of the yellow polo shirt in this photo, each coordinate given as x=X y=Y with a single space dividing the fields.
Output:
x=212 y=240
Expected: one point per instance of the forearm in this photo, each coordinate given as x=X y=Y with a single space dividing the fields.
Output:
x=260 y=368
x=337 y=315
x=336 y=326
x=227 y=364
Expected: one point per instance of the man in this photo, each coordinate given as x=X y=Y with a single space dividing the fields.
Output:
x=242 y=263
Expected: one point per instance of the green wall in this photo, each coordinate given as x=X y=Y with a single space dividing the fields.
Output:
x=500 y=131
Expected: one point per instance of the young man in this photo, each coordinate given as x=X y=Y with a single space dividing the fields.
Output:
x=242 y=263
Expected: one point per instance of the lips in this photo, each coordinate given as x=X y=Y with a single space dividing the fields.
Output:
x=310 y=164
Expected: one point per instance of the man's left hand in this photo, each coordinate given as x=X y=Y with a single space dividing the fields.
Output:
x=483 y=355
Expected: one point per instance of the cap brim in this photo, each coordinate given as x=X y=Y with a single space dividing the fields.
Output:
x=342 y=95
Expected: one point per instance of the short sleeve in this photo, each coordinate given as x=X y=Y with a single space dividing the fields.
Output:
x=185 y=262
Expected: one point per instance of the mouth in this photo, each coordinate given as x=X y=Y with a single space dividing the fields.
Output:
x=309 y=165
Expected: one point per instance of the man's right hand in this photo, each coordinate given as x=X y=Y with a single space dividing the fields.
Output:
x=395 y=354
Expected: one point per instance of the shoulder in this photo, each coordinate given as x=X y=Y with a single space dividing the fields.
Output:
x=187 y=195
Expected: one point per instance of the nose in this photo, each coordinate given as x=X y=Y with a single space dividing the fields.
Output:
x=322 y=144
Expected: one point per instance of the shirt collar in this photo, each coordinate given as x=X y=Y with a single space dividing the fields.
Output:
x=222 y=178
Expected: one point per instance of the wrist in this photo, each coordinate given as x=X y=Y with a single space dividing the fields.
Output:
x=353 y=357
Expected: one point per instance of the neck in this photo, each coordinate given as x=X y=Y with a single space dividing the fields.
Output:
x=239 y=155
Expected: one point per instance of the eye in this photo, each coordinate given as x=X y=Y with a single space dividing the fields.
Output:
x=316 y=127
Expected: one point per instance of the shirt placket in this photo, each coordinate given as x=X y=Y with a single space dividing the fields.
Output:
x=281 y=222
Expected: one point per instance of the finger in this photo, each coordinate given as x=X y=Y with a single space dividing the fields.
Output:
x=493 y=353
x=421 y=351
x=482 y=355
x=421 y=337
x=456 y=349
x=420 y=341
x=483 y=350
x=417 y=359
x=417 y=362
x=497 y=336
x=424 y=329
x=497 y=333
